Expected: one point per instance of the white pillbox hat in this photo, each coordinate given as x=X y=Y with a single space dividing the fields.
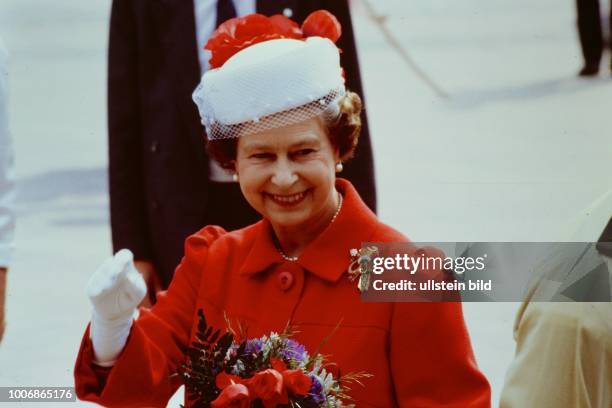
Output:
x=270 y=84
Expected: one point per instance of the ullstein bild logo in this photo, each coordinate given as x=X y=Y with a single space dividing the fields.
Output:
x=431 y=285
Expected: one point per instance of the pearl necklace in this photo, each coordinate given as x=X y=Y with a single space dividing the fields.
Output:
x=295 y=258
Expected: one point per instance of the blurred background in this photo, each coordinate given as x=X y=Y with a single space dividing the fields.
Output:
x=515 y=149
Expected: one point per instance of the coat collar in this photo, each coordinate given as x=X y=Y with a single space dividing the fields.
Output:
x=328 y=256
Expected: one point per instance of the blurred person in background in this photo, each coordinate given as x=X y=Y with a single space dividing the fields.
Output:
x=564 y=349
x=7 y=218
x=163 y=185
x=591 y=35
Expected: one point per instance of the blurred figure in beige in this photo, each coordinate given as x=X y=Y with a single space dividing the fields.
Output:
x=564 y=350
x=7 y=219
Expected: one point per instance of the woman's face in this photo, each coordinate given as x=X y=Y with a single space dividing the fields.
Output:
x=287 y=174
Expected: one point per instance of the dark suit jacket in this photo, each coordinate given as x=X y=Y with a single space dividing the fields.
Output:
x=158 y=166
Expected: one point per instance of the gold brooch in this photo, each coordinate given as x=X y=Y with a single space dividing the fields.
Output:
x=361 y=266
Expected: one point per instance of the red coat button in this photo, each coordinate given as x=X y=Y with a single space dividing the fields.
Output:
x=285 y=280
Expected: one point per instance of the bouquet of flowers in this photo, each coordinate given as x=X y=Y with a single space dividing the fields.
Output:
x=270 y=371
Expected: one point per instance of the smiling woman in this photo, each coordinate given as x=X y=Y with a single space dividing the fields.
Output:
x=277 y=115
x=287 y=173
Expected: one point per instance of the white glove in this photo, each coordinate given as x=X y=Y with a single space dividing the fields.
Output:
x=115 y=290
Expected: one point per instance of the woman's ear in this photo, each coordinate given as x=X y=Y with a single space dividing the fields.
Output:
x=337 y=158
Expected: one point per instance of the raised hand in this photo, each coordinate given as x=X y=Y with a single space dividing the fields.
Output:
x=116 y=288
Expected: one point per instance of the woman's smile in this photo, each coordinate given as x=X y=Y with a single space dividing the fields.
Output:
x=288 y=200
x=288 y=175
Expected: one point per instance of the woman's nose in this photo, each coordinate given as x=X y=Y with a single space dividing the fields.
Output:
x=284 y=174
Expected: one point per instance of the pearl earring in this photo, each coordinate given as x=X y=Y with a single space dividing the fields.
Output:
x=339 y=167
x=235 y=177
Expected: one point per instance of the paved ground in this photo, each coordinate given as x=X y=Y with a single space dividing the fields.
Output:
x=514 y=152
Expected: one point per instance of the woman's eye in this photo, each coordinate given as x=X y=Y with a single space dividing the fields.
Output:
x=305 y=152
x=261 y=156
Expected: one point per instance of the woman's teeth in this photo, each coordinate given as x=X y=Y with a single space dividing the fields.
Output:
x=288 y=199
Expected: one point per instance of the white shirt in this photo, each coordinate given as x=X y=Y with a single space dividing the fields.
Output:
x=7 y=170
x=205 y=19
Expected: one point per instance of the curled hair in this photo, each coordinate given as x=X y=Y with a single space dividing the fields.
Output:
x=343 y=132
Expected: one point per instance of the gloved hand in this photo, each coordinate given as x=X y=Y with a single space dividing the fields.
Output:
x=115 y=290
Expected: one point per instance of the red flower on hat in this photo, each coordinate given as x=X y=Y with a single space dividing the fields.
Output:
x=322 y=23
x=286 y=27
x=239 y=33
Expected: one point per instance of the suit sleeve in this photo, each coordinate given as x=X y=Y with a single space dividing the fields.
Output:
x=360 y=169
x=128 y=204
x=144 y=373
x=432 y=361
x=563 y=357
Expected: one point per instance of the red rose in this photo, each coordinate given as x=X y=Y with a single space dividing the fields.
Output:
x=268 y=386
x=224 y=380
x=297 y=382
x=278 y=364
x=232 y=396
x=322 y=23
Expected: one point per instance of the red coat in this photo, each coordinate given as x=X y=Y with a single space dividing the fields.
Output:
x=419 y=353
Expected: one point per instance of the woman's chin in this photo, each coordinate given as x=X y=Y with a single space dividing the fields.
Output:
x=288 y=214
x=288 y=219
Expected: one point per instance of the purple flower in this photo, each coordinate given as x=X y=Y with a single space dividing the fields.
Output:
x=316 y=390
x=233 y=350
x=253 y=346
x=293 y=350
